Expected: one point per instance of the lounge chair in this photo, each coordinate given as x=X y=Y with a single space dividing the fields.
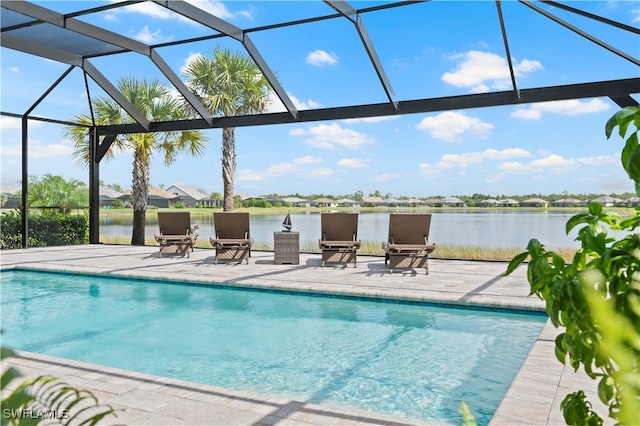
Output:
x=339 y=242
x=233 y=239
x=175 y=233
x=408 y=243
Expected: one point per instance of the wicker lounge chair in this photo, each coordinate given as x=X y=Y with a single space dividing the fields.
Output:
x=408 y=243
x=233 y=239
x=175 y=233
x=339 y=242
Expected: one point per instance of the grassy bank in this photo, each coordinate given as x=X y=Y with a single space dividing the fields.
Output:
x=372 y=248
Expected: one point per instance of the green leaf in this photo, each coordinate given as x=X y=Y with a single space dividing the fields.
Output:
x=621 y=118
x=633 y=166
x=578 y=219
x=534 y=247
x=561 y=349
x=630 y=146
x=8 y=376
x=7 y=353
x=595 y=208
x=515 y=262
x=605 y=390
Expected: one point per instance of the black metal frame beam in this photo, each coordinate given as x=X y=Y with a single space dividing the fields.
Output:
x=610 y=88
x=581 y=33
x=346 y=10
x=198 y=15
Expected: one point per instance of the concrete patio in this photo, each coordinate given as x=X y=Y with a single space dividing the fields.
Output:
x=533 y=398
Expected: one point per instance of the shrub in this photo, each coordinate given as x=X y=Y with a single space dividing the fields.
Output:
x=52 y=229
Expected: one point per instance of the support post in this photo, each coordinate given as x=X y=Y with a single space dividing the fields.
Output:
x=94 y=188
x=24 y=208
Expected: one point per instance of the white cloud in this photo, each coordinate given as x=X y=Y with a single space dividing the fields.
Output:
x=219 y=9
x=307 y=160
x=551 y=163
x=281 y=168
x=465 y=159
x=216 y=8
x=10 y=123
x=192 y=56
x=332 y=136
x=428 y=169
x=286 y=167
x=451 y=126
x=635 y=15
x=14 y=69
x=384 y=177
x=249 y=175
x=317 y=173
x=321 y=58
x=276 y=105
x=600 y=159
x=482 y=71
x=353 y=163
x=146 y=36
x=10 y=150
x=554 y=161
x=568 y=107
x=371 y=119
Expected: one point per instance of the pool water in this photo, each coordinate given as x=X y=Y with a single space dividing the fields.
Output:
x=416 y=361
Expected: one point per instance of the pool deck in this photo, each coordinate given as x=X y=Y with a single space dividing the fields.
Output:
x=533 y=398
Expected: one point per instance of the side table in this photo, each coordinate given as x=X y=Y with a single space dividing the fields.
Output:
x=286 y=248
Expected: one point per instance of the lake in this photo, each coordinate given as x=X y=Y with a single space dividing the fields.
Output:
x=490 y=228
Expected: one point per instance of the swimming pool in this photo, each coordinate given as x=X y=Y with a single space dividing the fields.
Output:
x=411 y=360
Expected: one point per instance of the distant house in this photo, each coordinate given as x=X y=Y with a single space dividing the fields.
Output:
x=508 y=202
x=12 y=197
x=192 y=197
x=108 y=196
x=607 y=201
x=157 y=198
x=432 y=202
x=568 y=202
x=534 y=202
x=372 y=201
x=632 y=201
x=325 y=202
x=489 y=202
x=298 y=202
x=394 y=202
x=415 y=202
x=453 y=202
x=347 y=202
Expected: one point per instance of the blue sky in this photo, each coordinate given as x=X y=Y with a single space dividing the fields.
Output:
x=439 y=48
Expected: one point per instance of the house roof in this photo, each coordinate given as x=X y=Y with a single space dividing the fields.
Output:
x=372 y=200
x=535 y=200
x=155 y=192
x=324 y=200
x=196 y=194
x=346 y=201
x=294 y=200
x=607 y=199
x=106 y=192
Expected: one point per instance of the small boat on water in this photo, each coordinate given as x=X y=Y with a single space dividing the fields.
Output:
x=287 y=223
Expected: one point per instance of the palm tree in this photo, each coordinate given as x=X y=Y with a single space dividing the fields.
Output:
x=58 y=193
x=157 y=103
x=228 y=84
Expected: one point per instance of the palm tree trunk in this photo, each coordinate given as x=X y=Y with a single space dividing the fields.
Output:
x=139 y=194
x=228 y=165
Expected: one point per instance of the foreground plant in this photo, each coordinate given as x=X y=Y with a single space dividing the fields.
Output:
x=596 y=298
x=47 y=399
